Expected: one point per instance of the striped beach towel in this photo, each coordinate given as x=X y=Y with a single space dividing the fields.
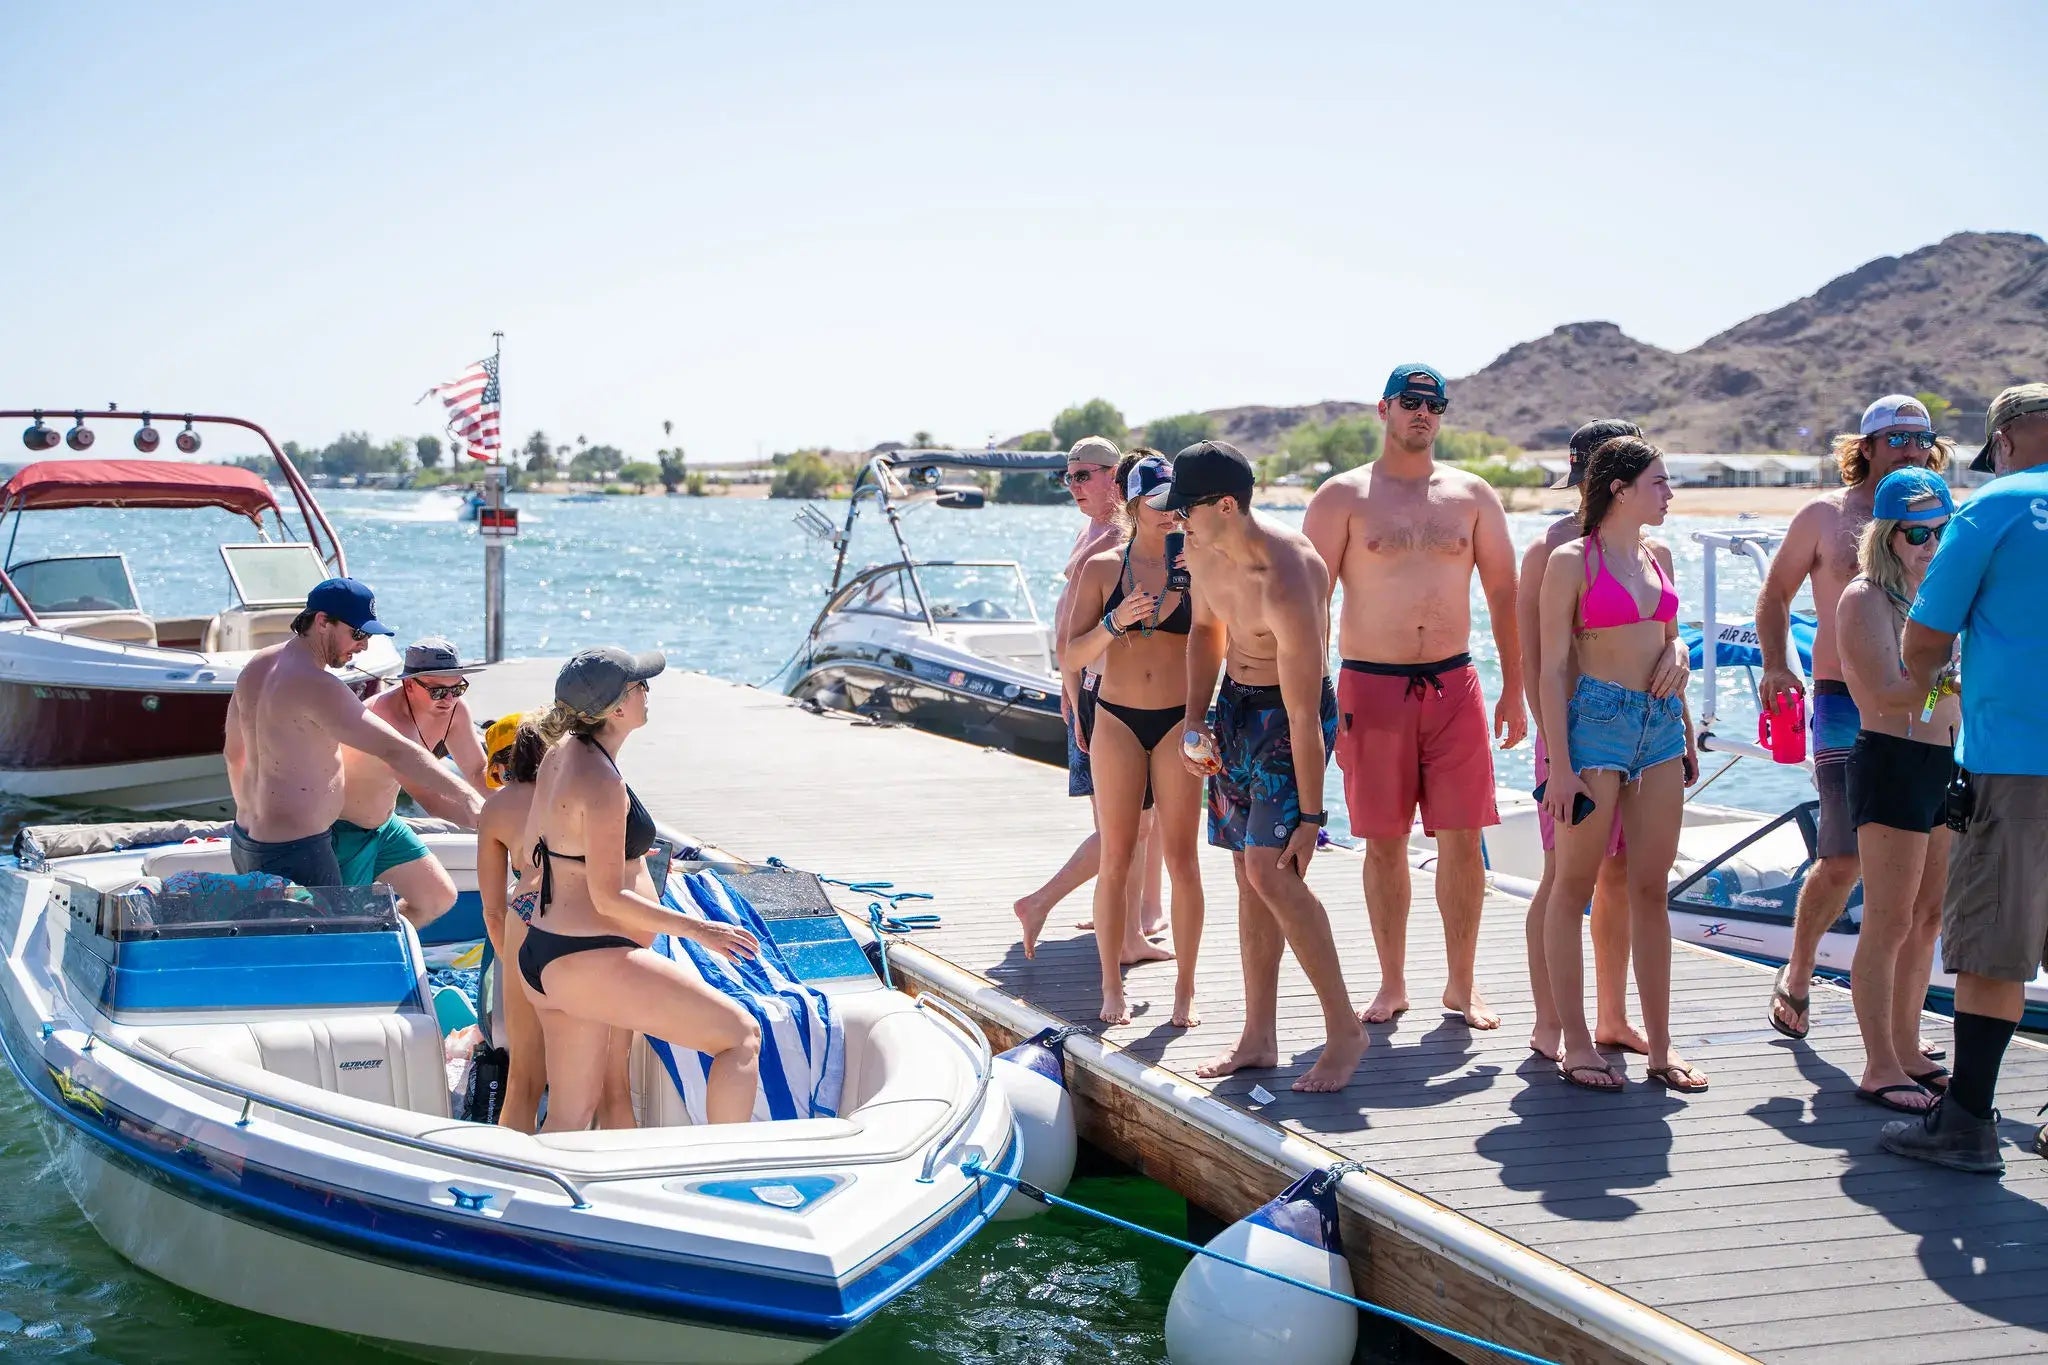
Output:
x=803 y=1045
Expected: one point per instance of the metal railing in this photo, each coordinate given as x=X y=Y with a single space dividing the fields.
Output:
x=984 y=1069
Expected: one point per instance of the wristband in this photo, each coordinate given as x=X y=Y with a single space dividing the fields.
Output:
x=1321 y=817
x=1109 y=624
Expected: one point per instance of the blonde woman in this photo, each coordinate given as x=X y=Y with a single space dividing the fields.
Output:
x=1898 y=777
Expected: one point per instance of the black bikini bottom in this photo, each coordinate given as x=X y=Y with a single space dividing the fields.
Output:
x=542 y=947
x=1150 y=726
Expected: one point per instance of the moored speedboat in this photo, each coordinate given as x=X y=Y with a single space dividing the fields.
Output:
x=247 y=1097
x=105 y=703
x=955 y=646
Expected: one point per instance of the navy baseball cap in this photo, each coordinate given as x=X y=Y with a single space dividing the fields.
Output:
x=350 y=602
x=1147 y=477
x=1206 y=469
x=1420 y=380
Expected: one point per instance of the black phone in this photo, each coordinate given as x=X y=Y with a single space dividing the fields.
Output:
x=1582 y=804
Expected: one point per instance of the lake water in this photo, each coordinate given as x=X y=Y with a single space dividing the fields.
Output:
x=728 y=586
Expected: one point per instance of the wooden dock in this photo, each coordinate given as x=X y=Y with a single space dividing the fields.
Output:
x=1760 y=1219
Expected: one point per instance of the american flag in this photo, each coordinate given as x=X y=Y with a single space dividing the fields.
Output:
x=472 y=403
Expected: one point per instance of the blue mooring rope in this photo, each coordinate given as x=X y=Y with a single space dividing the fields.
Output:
x=974 y=1167
x=883 y=920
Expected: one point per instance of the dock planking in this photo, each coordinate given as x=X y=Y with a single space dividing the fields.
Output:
x=1760 y=1218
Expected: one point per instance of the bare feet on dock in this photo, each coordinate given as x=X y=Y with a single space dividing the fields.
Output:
x=1547 y=1041
x=1031 y=914
x=1184 y=1012
x=1391 y=1000
x=1334 y=1069
x=1114 y=1010
x=1152 y=926
x=1625 y=1036
x=1477 y=1013
x=1146 y=951
x=1246 y=1056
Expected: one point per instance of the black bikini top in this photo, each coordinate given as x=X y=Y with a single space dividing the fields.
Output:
x=1180 y=621
x=640 y=835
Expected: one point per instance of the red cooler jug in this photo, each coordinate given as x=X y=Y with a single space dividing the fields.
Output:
x=1782 y=728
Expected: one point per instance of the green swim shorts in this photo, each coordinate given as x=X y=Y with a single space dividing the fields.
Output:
x=367 y=854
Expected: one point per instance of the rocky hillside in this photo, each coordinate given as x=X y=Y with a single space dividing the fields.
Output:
x=1961 y=319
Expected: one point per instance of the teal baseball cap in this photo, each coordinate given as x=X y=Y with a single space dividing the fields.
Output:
x=1912 y=494
x=1421 y=380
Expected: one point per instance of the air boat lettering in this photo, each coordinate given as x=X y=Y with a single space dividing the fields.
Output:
x=368 y=1064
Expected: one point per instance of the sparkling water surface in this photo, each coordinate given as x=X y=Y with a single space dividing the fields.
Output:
x=729 y=586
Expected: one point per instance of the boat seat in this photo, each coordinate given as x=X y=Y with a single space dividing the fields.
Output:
x=456 y=852
x=121 y=627
x=883 y=1064
x=386 y=1059
x=244 y=628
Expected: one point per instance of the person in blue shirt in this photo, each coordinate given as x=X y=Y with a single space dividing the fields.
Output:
x=1985 y=585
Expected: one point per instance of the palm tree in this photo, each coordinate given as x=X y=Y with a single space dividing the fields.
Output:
x=921 y=440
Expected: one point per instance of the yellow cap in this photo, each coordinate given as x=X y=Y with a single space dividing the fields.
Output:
x=499 y=734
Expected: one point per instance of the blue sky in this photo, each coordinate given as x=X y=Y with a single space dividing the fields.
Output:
x=786 y=225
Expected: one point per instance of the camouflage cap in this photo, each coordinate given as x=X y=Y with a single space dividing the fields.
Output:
x=2015 y=402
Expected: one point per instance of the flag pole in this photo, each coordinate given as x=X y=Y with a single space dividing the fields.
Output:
x=494 y=545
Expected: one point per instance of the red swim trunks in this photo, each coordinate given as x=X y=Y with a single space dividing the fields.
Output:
x=1410 y=734
x=1547 y=827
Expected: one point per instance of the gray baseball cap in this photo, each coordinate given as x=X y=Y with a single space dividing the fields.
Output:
x=2017 y=401
x=434 y=657
x=592 y=683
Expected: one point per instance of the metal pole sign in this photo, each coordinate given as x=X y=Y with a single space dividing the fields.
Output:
x=495 y=523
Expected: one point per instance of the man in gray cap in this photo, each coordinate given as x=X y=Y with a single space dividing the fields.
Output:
x=1985 y=586
x=371 y=842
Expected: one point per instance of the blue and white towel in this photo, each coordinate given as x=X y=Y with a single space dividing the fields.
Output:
x=803 y=1044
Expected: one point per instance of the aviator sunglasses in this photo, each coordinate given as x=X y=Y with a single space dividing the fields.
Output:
x=1410 y=402
x=1916 y=536
x=1077 y=476
x=1899 y=440
x=443 y=691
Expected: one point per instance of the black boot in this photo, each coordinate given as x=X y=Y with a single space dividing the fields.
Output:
x=1948 y=1135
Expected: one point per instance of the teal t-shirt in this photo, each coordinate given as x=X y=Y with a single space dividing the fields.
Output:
x=1989 y=584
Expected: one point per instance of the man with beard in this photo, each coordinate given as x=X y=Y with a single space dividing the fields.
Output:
x=288 y=721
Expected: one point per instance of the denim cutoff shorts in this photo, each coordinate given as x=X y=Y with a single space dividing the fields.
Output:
x=1615 y=729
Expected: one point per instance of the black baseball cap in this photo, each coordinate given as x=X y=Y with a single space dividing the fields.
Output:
x=1590 y=438
x=1206 y=469
x=592 y=683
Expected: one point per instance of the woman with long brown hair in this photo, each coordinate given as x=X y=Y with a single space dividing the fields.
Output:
x=1131 y=619
x=1609 y=611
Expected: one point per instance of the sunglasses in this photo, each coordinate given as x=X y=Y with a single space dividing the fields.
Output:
x=444 y=691
x=1183 y=513
x=359 y=636
x=1077 y=476
x=1917 y=536
x=1410 y=402
x=1899 y=440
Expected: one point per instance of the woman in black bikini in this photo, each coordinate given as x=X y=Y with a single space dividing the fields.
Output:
x=1134 y=630
x=589 y=834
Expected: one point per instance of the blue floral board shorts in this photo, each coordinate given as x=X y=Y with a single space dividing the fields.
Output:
x=1080 y=726
x=1619 y=730
x=1254 y=802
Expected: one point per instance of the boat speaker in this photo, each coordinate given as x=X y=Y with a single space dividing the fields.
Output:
x=39 y=437
x=188 y=439
x=148 y=438
x=80 y=435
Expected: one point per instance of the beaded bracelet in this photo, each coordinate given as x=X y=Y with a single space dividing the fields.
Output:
x=1109 y=624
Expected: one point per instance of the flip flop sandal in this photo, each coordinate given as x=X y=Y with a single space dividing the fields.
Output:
x=1571 y=1075
x=1935 y=1080
x=1882 y=1097
x=1934 y=1052
x=1682 y=1079
x=1799 y=1003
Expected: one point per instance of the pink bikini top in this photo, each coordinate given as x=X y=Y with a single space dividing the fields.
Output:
x=1608 y=603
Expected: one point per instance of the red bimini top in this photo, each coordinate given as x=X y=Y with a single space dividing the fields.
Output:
x=137 y=483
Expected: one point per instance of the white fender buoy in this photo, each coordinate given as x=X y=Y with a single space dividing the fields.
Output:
x=1033 y=1075
x=1222 y=1315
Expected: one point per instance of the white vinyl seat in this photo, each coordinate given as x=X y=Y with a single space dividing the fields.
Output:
x=245 y=628
x=119 y=627
x=393 y=1058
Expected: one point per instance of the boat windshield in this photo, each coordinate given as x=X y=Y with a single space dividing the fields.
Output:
x=217 y=905
x=975 y=592
x=73 y=584
x=275 y=575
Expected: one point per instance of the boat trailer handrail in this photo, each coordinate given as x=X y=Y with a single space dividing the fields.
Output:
x=984 y=1069
x=947 y=1130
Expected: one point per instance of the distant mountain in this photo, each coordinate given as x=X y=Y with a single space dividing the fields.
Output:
x=1961 y=319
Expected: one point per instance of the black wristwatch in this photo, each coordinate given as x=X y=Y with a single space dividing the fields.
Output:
x=1321 y=817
